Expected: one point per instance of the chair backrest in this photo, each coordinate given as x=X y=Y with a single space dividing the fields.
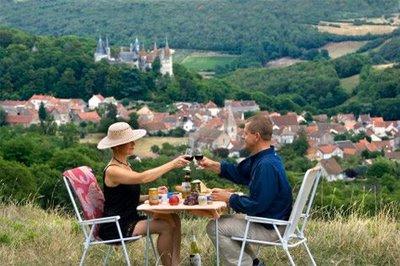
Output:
x=305 y=196
x=86 y=189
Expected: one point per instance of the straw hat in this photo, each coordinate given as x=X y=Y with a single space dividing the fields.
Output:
x=120 y=133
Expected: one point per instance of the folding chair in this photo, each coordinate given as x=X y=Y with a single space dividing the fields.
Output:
x=82 y=183
x=294 y=232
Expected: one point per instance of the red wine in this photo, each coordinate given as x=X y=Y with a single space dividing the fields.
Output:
x=199 y=157
x=188 y=157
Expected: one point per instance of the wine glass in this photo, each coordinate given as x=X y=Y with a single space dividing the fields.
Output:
x=198 y=155
x=188 y=154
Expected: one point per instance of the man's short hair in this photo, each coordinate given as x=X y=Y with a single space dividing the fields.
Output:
x=260 y=124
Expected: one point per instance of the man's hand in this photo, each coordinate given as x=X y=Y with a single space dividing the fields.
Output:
x=220 y=194
x=209 y=164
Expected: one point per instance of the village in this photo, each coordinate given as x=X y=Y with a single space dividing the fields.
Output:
x=214 y=128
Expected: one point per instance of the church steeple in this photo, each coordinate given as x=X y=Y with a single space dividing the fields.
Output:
x=137 y=45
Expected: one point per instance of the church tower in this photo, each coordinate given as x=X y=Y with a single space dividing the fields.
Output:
x=230 y=126
x=166 y=60
x=101 y=51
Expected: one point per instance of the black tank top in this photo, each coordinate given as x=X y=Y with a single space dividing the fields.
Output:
x=121 y=200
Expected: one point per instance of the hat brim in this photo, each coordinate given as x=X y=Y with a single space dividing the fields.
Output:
x=106 y=142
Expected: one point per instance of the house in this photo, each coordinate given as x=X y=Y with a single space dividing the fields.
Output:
x=394 y=155
x=321 y=138
x=242 y=106
x=379 y=126
x=328 y=151
x=60 y=113
x=212 y=108
x=331 y=170
x=211 y=138
x=323 y=118
x=87 y=117
x=284 y=121
x=364 y=119
x=47 y=100
x=95 y=100
x=188 y=124
x=24 y=117
x=348 y=148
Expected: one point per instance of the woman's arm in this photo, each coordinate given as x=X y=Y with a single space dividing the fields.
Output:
x=119 y=175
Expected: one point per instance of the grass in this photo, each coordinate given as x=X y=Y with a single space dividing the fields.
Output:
x=350 y=83
x=342 y=48
x=204 y=62
x=345 y=28
x=32 y=236
x=142 y=148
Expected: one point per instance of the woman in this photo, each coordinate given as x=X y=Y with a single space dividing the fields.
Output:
x=122 y=194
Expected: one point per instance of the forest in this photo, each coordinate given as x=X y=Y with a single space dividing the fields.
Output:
x=280 y=28
x=64 y=67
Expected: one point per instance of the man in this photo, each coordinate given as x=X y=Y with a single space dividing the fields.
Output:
x=270 y=192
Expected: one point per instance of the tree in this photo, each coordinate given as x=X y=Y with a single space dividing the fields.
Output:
x=17 y=182
x=3 y=116
x=42 y=112
x=133 y=120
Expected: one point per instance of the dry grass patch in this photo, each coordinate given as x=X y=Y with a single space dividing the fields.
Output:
x=383 y=66
x=283 y=62
x=338 y=49
x=345 y=28
x=31 y=236
x=143 y=146
x=350 y=83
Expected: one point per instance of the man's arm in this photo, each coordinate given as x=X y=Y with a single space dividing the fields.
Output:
x=224 y=169
x=263 y=190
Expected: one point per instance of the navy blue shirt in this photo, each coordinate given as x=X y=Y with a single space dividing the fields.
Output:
x=270 y=191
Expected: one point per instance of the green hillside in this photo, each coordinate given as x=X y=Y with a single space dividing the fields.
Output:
x=280 y=28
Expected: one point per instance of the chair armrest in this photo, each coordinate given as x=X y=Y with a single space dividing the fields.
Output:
x=263 y=220
x=102 y=220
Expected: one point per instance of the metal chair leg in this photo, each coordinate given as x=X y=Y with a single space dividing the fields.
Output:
x=290 y=256
x=309 y=254
x=107 y=256
x=153 y=247
x=243 y=244
x=85 y=249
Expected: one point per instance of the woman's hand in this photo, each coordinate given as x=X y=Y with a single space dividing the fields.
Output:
x=162 y=190
x=179 y=162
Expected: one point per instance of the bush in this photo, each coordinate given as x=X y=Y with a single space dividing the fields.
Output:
x=17 y=182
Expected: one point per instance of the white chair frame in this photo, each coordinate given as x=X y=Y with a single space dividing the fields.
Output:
x=88 y=227
x=293 y=235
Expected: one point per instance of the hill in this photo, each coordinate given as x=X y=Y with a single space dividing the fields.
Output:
x=279 y=29
x=30 y=235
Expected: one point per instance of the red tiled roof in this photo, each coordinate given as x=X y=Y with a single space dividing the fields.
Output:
x=285 y=120
x=100 y=97
x=327 y=149
x=211 y=104
x=12 y=103
x=89 y=116
x=331 y=166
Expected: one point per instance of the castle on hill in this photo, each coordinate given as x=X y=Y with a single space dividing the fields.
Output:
x=136 y=55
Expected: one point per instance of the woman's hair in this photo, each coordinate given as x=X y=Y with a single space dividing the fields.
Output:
x=260 y=124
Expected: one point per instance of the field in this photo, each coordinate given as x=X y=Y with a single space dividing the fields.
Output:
x=345 y=28
x=31 y=236
x=339 y=49
x=142 y=148
x=143 y=145
x=206 y=61
x=383 y=66
x=283 y=62
x=350 y=83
